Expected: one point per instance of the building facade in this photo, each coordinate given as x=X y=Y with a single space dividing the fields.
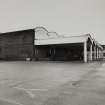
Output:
x=17 y=45
x=82 y=47
x=39 y=44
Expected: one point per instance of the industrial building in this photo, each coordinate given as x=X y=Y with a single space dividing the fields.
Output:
x=39 y=44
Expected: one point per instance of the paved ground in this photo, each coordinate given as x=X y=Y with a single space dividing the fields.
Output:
x=52 y=83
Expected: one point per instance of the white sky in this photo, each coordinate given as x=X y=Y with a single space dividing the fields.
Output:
x=70 y=17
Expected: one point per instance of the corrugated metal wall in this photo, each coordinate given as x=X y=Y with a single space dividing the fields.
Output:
x=17 y=45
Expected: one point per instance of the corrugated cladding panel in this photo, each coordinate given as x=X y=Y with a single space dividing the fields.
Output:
x=17 y=45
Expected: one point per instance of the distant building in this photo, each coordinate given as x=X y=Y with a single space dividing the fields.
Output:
x=39 y=44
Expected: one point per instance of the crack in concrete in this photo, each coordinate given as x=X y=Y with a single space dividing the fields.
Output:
x=10 y=101
x=28 y=91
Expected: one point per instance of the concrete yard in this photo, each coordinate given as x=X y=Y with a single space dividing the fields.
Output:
x=52 y=83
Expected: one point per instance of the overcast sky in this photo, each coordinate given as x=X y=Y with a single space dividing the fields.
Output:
x=70 y=17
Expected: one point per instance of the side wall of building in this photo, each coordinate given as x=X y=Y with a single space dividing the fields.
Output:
x=17 y=45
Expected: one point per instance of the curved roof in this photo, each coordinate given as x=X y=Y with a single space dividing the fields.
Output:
x=43 y=37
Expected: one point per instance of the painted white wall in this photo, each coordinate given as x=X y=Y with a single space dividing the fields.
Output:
x=60 y=40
